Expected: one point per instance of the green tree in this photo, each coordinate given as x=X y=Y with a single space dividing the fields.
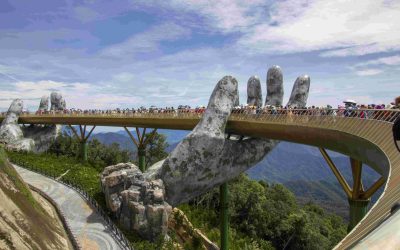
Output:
x=99 y=155
x=269 y=214
x=155 y=150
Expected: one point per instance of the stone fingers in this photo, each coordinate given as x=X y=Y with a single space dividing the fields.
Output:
x=254 y=93
x=57 y=101
x=301 y=87
x=192 y=165
x=274 y=86
x=44 y=103
x=223 y=99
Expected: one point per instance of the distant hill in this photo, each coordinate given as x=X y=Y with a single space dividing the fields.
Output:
x=299 y=167
x=108 y=138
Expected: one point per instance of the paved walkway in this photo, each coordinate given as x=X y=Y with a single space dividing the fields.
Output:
x=88 y=227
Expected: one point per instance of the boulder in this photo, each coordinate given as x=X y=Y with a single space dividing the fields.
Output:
x=137 y=203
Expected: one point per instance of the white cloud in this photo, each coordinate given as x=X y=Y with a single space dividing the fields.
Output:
x=345 y=27
x=223 y=15
x=78 y=95
x=369 y=72
x=390 y=61
x=38 y=86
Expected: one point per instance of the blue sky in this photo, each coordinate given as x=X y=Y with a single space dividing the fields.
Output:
x=127 y=53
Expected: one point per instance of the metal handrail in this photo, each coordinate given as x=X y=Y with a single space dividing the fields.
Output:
x=385 y=115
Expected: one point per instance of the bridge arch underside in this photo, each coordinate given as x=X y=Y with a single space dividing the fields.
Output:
x=351 y=145
x=369 y=141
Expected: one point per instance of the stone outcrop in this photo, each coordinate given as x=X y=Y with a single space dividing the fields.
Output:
x=10 y=132
x=137 y=203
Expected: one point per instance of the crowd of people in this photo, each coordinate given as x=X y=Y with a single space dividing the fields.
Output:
x=349 y=109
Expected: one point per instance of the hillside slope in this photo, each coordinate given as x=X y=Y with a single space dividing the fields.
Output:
x=24 y=223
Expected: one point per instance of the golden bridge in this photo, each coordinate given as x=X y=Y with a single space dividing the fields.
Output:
x=366 y=139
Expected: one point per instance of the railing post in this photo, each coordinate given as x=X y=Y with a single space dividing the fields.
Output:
x=224 y=216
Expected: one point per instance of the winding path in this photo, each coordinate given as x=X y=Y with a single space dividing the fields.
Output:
x=87 y=226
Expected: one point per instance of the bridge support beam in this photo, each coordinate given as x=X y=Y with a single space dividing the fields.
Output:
x=358 y=206
x=141 y=142
x=82 y=138
x=358 y=209
x=84 y=151
x=224 y=216
x=357 y=197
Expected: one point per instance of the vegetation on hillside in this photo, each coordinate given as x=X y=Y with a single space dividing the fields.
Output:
x=267 y=215
x=263 y=216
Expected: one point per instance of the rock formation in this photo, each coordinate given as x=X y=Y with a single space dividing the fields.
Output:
x=10 y=132
x=202 y=160
x=137 y=203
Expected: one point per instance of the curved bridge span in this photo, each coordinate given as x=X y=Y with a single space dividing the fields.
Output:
x=368 y=140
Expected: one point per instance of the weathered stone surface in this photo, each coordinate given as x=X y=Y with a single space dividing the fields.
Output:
x=44 y=103
x=138 y=203
x=36 y=138
x=205 y=159
x=274 y=86
x=254 y=93
x=299 y=95
x=57 y=101
x=201 y=161
x=10 y=132
x=42 y=135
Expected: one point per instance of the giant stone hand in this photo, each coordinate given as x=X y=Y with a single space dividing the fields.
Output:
x=204 y=159
x=10 y=132
x=36 y=138
x=44 y=135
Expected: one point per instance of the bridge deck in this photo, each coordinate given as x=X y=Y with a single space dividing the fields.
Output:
x=367 y=140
